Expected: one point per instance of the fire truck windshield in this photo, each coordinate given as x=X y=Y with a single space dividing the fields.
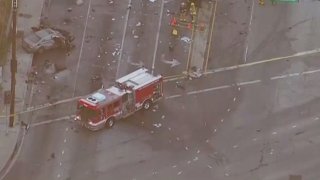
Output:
x=87 y=113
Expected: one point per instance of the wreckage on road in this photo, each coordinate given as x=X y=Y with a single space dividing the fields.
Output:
x=42 y=39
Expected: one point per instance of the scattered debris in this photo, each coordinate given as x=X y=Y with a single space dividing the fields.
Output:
x=186 y=39
x=138 y=24
x=152 y=0
x=180 y=85
x=163 y=116
x=180 y=172
x=136 y=36
x=113 y=19
x=79 y=2
x=157 y=125
x=195 y=158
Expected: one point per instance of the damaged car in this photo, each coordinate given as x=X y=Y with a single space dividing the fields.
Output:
x=42 y=39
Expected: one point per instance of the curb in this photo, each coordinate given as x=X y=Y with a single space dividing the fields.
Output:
x=13 y=157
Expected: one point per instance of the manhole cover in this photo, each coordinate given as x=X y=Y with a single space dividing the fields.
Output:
x=295 y=177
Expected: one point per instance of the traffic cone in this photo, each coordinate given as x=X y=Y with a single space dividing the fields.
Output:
x=173 y=22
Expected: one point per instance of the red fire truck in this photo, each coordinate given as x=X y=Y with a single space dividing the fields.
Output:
x=135 y=91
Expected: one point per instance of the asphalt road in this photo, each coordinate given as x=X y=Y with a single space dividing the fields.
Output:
x=258 y=121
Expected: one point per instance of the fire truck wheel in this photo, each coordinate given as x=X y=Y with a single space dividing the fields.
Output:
x=146 y=105
x=110 y=122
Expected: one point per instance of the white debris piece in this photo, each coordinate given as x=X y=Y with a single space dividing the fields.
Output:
x=113 y=19
x=195 y=158
x=152 y=0
x=186 y=39
x=180 y=172
x=163 y=116
x=136 y=36
x=79 y=2
x=157 y=125
x=198 y=151
x=138 y=24
x=209 y=166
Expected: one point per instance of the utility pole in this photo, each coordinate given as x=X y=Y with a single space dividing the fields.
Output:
x=13 y=64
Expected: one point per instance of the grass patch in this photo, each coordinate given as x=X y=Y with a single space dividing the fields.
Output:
x=5 y=7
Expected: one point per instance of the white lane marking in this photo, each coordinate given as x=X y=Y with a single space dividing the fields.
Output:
x=51 y=121
x=123 y=38
x=249 y=29
x=248 y=82
x=279 y=77
x=311 y=72
x=209 y=89
x=157 y=37
x=304 y=53
x=53 y=104
x=81 y=49
x=244 y=83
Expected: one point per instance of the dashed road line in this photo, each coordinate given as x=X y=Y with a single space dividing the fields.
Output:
x=81 y=49
x=52 y=121
x=249 y=29
x=242 y=84
x=157 y=37
x=123 y=38
x=211 y=34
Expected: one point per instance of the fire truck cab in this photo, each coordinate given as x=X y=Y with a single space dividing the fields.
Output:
x=135 y=91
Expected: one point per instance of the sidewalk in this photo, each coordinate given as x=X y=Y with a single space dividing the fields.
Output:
x=30 y=13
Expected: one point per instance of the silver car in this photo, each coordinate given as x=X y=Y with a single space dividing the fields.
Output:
x=44 y=39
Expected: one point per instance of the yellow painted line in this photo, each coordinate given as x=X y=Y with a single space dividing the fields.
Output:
x=174 y=77
x=299 y=54
x=211 y=34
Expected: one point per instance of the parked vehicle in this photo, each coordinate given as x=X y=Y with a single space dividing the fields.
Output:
x=47 y=38
x=135 y=91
